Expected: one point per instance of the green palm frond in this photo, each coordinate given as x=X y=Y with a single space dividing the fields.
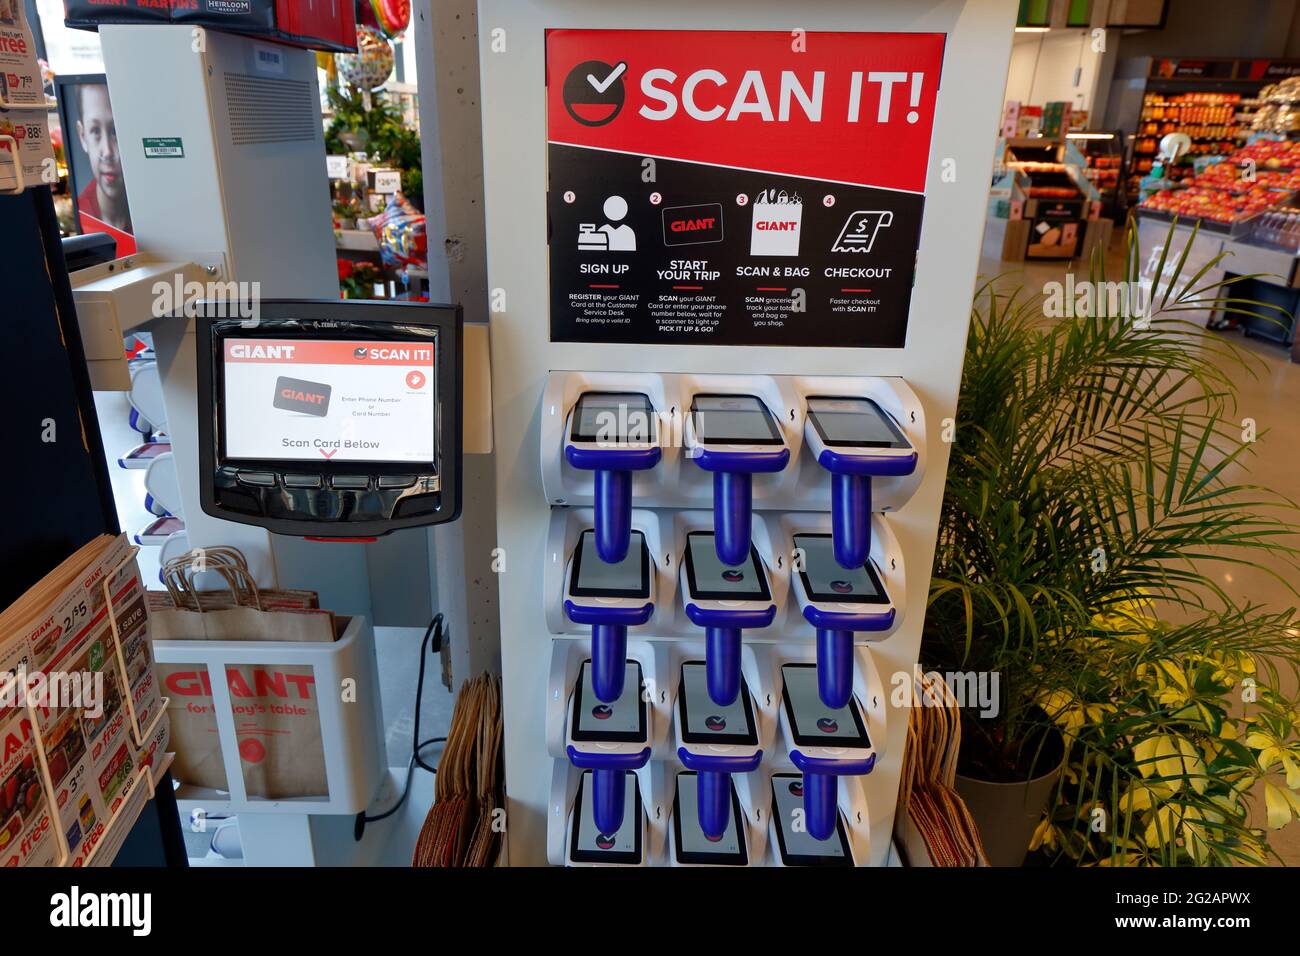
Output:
x=1099 y=464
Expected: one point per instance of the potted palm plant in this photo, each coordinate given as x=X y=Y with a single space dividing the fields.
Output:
x=1096 y=487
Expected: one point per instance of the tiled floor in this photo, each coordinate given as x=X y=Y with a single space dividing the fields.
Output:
x=1272 y=398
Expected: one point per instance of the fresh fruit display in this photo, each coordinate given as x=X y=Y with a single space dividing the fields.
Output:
x=1038 y=169
x=1216 y=205
x=1237 y=177
x=1270 y=154
x=1052 y=192
x=1257 y=177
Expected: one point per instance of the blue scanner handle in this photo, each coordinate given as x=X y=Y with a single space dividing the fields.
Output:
x=608 y=783
x=608 y=792
x=835 y=648
x=733 y=503
x=713 y=793
x=608 y=661
x=722 y=663
x=613 y=495
x=608 y=643
x=851 y=519
x=834 y=667
x=821 y=781
x=613 y=515
x=713 y=802
x=851 y=498
x=722 y=646
x=820 y=804
x=733 y=494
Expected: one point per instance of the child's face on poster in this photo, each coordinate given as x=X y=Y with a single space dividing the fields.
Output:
x=98 y=135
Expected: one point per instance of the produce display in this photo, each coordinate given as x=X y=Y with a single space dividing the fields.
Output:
x=1048 y=180
x=1251 y=180
x=1216 y=205
x=1209 y=118
x=1236 y=177
x=1279 y=110
x=1271 y=154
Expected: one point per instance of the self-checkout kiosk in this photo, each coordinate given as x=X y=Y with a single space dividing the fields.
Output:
x=733 y=253
x=321 y=438
x=730 y=256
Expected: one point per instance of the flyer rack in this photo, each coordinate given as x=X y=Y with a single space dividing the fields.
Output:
x=146 y=780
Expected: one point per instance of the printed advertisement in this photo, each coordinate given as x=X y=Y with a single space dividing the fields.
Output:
x=737 y=188
x=24 y=125
x=69 y=665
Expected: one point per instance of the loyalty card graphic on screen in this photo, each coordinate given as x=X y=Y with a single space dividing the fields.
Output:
x=329 y=400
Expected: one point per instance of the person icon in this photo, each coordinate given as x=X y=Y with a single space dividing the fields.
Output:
x=609 y=237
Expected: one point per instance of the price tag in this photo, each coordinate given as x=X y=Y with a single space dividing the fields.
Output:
x=336 y=167
x=387 y=181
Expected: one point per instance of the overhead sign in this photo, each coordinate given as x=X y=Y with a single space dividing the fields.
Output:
x=737 y=187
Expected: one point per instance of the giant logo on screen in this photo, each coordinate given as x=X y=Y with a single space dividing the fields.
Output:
x=244 y=350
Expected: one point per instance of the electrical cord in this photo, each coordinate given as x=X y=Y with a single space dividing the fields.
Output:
x=429 y=645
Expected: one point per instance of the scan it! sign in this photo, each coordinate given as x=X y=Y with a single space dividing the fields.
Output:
x=699 y=179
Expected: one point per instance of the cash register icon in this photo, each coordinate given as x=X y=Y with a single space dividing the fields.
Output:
x=608 y=237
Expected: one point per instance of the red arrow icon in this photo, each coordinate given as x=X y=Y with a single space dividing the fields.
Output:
x=329 y=454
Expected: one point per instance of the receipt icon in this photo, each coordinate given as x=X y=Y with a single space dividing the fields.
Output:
x=860 y=230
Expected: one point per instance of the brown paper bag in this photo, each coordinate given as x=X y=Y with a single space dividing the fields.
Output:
x=276 y=707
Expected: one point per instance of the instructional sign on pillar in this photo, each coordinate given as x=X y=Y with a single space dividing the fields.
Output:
x=737 y=188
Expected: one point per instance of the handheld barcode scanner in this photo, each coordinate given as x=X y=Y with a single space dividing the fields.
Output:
x=612 y=434
x=590 y=844
x=609 y=738
x=734 y=437
x=611 y=597
x=855 y=440
x=715 y=741
x=825 y=743
x=837 y=602
x=794 y=845
x=724 y=599
x=692 y=845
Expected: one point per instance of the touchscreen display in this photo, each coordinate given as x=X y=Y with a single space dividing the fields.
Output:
x=319 y=401
x=798 y=846
x=733 y=420
x=825 y=580
x=613 y=418
x=589 y=845
x=692 y=845
x=702 y=721
x=710 y=578
x=622 y=721
x=812 y=722
x=592 y=577
x=855 y=423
